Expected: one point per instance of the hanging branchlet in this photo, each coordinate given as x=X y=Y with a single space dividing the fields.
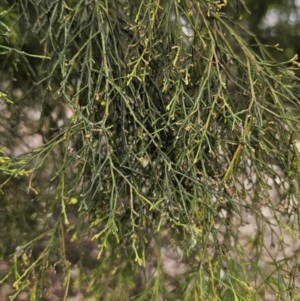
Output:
x=178 y=129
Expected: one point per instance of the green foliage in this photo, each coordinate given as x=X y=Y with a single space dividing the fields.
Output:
x=9 y=29
x=12 y=167
x=174 y=138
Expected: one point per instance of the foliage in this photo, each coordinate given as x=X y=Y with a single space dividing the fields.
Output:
x=9 y=31
x=178 y=129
